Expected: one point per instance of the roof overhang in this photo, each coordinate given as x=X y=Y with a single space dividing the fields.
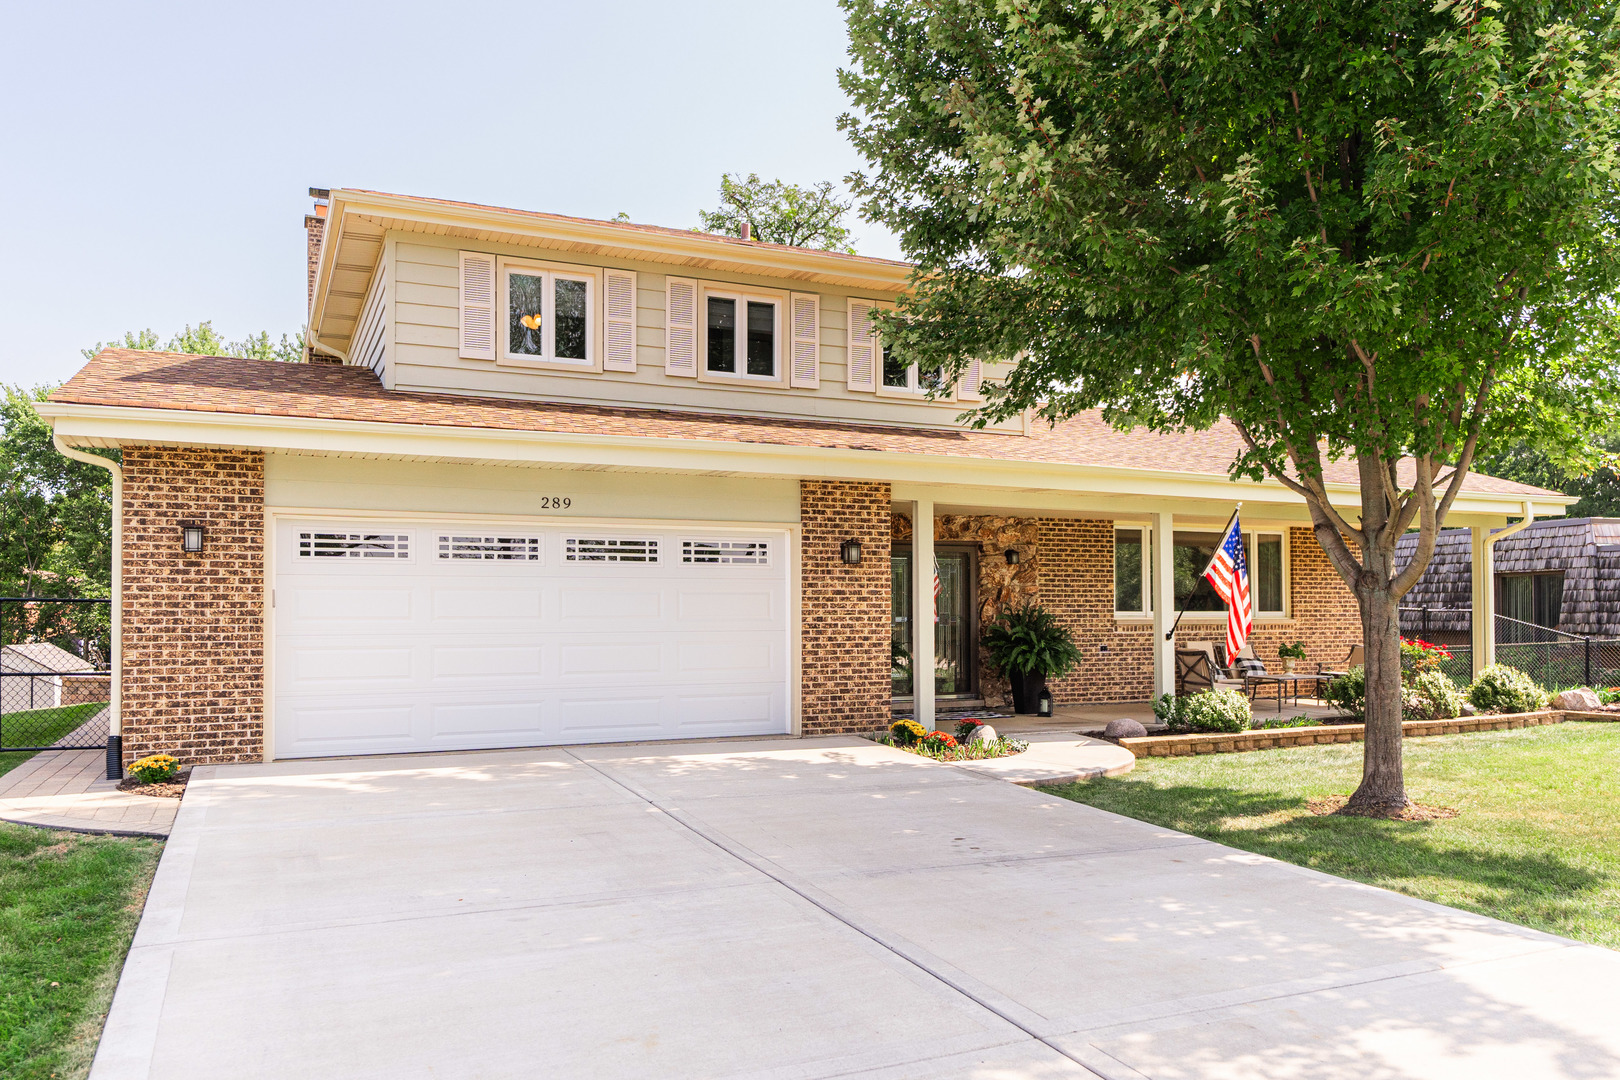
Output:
x=358 y=221
x=1008 y=480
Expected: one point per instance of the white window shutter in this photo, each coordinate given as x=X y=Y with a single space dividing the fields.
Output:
x=805 y=367
x=680 y=327
x=620 y=321
x=477 y=305
x=861 y=359
x=968 y=388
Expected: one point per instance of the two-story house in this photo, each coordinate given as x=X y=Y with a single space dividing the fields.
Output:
x=546 y=480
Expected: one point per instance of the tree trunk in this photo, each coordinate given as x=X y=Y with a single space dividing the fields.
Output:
x=1383 y=784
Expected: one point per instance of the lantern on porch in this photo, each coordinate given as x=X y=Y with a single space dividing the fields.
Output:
x=1043 y=704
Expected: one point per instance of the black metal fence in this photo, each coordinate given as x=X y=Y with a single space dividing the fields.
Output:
x=55 y=672
x=1554 y=659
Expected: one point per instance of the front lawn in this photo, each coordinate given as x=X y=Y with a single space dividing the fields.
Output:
x=42 y=727
x=1534 y=841
x=68 y=908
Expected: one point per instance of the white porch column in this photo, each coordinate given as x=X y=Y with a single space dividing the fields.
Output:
x=922 y=611
x=1163 y=563
x=1484 y=585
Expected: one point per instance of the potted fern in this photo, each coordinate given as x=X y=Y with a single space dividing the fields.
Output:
x=1028 y=645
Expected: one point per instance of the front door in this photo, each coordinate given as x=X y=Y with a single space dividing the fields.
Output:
x=954 y=639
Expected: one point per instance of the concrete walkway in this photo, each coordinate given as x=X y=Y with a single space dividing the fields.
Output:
x=818 y=908
x=1055 y=758
x=68 y=789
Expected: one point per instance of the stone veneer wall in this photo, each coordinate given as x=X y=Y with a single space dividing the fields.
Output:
x=845 y=612
x=1077 y=582
x=999 y=585
x=193 y=624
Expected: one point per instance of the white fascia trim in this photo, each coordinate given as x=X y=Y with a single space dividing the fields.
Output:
x=113 y=425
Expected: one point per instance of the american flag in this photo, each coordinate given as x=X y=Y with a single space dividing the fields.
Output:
x=1228 y=572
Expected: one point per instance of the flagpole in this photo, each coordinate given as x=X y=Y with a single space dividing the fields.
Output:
x=1172 y=631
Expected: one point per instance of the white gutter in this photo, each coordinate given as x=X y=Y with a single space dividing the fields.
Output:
x=115 y=712
x=1529 y=516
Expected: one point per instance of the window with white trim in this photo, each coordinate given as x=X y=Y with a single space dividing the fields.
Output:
x=490 y=548
x=353 y=545
x=742 y=335
x=896 y=377
x=611 y=549
x=1266 y=552
x=727 y=552
x=548 y=314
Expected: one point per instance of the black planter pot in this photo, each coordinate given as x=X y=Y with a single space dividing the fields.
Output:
x=1026 y=693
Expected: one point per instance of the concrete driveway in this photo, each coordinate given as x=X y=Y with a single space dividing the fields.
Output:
x=798 y=909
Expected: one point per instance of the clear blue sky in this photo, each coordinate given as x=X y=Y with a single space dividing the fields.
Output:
x=156 y=158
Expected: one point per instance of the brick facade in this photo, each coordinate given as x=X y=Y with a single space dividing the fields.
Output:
x=845 y=610
x=193 y=624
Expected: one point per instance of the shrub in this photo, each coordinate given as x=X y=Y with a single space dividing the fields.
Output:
x=1029 y=640
x=1214 y=710
x=1418 y=656
x=155 y=769
x=1431 y=695
x=1502 y=689
x=907 y=732
x=1348 y=693
x=1610 y=696
x=1164 y=710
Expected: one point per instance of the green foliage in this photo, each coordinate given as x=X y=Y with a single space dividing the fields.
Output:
x=155 y=768
x=1418 y=656
x=1609 y=695
x=1291 y=722
x=780 y=213
x=205 y=341
x=1213 y=710
x=1431 y=695
x=55 y=513
x=1348 y=693
x=907 y=732
x=1502 y=689
x=1597 y=484
x=1164 y=709
x=1029 y=640
x=1296 y=650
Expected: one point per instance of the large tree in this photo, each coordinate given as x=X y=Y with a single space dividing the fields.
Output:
x=1377 y=231
x=778 y=212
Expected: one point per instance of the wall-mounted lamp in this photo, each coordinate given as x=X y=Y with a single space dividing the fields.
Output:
x=1012 y=556
x=851 y=552
x=191 y=537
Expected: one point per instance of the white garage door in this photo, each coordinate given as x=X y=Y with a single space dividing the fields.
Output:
x=405 y=636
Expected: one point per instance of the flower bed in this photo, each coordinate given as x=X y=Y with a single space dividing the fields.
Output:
x=942 y=746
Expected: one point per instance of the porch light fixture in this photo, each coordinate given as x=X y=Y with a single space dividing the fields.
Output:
x=851 y=552
x=1012 y=556
x=191 y=537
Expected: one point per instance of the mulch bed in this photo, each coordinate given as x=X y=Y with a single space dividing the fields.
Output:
x=171 y=789
x=1337 y=804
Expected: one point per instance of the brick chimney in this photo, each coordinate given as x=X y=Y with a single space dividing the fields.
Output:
x=315 y=227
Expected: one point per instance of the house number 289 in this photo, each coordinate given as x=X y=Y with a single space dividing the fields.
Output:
x=555 y=502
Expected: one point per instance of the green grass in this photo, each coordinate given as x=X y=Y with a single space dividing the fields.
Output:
x=68 y=908
x=1534 y=843
x=41 y=727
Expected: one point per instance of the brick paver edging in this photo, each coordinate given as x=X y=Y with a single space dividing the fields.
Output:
x=1263 y=739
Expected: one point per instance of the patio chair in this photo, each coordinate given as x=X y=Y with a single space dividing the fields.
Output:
x=1357 y=658
x=1223 y=679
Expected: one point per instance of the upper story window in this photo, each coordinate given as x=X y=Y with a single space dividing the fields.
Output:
x=907 y=378
x=548 y=315
x=742 y=334
x=1133 y=572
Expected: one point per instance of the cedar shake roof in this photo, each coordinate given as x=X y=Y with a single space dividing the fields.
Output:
x=220 y=384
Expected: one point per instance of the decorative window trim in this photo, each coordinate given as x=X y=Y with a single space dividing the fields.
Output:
x=723 y=552
x=592 y=276
x=630 y=550
x=352 y=544
x=742 y=294
x=478 y=547
x=1146 y=614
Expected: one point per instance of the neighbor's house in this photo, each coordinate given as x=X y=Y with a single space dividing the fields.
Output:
x=40 y=675
x=1561 y=575
x=547 y=480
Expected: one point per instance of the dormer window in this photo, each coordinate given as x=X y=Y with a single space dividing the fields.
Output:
x=548 y=315
x=900 y=377
x=742 y=334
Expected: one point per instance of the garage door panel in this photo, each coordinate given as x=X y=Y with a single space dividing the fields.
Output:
x=383 y=655
x=484 y=661
x=451 y=604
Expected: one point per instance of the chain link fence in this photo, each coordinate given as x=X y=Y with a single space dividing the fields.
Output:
x=55 y=673
x=1555 y=660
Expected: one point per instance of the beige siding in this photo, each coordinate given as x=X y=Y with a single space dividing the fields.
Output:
x=348 y=484
x=369 y=347
x=425 y=355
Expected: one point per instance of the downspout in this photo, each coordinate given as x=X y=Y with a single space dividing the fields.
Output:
x=115 y=719
x=1529 y=516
